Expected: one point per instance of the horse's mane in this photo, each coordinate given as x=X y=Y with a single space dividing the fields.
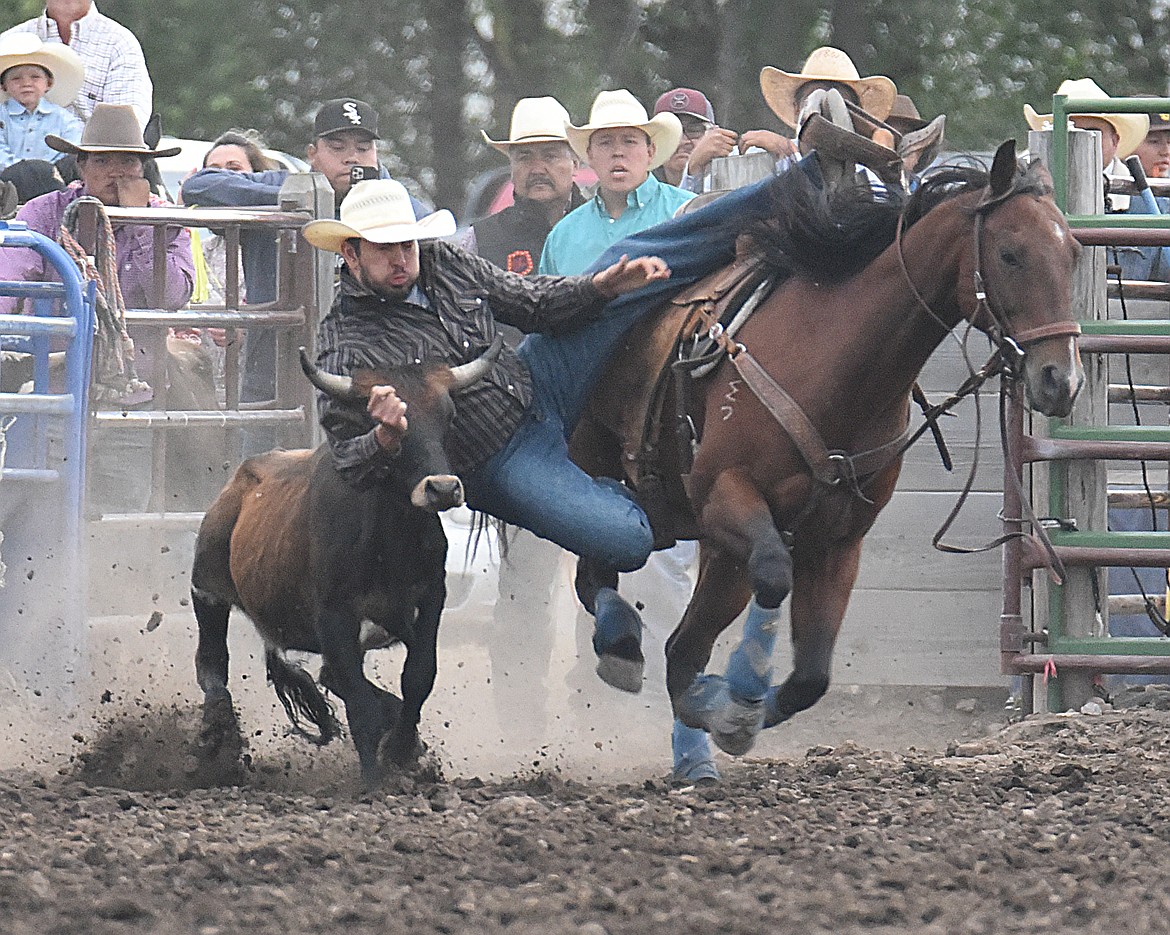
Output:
x=948 y=181
x=829 y=237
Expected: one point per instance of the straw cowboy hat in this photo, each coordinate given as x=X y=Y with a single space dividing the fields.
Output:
x=622 y=109
x=1131 y=128
x=60 y=61
x=534 y=120
x=875 y=93
x=378 y=210
x=112 y=128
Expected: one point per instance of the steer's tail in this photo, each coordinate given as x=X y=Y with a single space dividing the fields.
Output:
x=302 y=699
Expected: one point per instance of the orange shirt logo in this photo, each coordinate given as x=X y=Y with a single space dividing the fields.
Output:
x=520 y=261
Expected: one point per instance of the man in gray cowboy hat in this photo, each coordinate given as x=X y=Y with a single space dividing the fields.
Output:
x=542 y=164
x=110 y=161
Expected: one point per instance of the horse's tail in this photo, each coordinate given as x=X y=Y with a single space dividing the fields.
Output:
x=301 y=698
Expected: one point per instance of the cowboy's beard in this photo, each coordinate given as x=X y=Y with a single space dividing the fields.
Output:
x=394 y=285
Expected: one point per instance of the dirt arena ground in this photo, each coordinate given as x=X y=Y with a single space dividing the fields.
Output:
x=545 y=805
x=1055 y=824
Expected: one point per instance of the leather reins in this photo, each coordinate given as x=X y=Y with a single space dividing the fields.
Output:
x=832 y=467
x=1008 y=359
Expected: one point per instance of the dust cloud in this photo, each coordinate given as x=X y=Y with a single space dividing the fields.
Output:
x=114 y=700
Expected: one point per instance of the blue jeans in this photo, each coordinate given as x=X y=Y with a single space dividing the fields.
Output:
x=532 y=482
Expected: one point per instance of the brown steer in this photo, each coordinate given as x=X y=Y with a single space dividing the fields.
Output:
x=308 y=557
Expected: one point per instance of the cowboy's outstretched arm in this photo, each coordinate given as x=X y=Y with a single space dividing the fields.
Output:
x=626 y=275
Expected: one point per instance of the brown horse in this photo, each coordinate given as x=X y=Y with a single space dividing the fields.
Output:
x=799 y=454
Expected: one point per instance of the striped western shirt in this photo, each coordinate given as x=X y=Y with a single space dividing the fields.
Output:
x=115 y=68
x=450 y=316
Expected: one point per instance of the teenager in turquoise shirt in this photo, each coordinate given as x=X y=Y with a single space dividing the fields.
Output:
x=622 y=145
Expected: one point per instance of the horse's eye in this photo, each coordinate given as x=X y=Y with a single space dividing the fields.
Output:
x=1009 y=258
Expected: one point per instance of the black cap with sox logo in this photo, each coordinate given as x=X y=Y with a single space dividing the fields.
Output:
x=346 y=113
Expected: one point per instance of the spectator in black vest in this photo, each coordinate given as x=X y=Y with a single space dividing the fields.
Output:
x=543 y=164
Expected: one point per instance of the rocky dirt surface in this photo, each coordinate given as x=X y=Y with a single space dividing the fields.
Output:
x=1056 y=823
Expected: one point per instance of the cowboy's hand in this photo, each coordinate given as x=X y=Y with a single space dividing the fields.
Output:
x=715 y=143
x=626 y=275
x=133 y=193
x=779 y=146
x=389 y=412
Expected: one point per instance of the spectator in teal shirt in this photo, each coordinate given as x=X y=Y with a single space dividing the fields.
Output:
x=622 y=145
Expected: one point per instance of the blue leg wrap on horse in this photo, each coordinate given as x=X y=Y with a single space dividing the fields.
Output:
x=749 y=670
x=614 y=619
x=692 y=754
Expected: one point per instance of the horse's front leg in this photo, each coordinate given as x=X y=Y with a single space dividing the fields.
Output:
x=722 y=590
x=822 y=584
x=737 y=520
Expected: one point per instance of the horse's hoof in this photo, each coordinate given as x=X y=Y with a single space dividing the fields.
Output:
x=735 y=726
x=772 y=713
x=693 y=762
x=621 y=673
x=616 y=623
x=733 y=723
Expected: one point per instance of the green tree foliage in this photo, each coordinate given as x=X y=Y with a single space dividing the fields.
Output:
x=439 y=71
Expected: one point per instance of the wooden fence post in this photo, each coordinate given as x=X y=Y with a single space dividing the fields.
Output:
x=1083 y=601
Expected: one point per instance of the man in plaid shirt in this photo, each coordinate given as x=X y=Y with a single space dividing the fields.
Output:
x=115 y=68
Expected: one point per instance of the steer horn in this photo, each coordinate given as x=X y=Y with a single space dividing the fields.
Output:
x=468 y=374
x=329 y=383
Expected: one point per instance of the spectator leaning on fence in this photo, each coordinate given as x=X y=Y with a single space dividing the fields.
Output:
x=1120 y=136
x=110 y=161
x=109 y=158
x=345 y=137
x=115 y=68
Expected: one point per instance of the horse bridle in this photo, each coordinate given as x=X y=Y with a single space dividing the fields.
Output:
x=1008 y=358
x=1011 y=346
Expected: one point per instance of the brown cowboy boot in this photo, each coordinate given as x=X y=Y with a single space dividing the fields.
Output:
x=919 y=148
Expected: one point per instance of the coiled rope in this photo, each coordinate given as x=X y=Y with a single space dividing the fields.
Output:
x=114 y=377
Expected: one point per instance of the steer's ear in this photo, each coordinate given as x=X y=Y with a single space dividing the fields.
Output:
x=1003 y=169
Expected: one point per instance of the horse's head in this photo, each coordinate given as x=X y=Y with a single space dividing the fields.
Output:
x=1024 y=259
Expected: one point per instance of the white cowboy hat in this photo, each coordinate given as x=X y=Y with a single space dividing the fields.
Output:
x=60 y=61
x=534 y=120
x=112 y=128
x=622 y=109
x=1131 y=128
x=875 y=94
x=378 y=210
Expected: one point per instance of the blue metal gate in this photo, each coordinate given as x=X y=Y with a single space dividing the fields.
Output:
x=42 y=484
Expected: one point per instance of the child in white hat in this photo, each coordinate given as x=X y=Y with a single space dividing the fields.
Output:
x=37 y=81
